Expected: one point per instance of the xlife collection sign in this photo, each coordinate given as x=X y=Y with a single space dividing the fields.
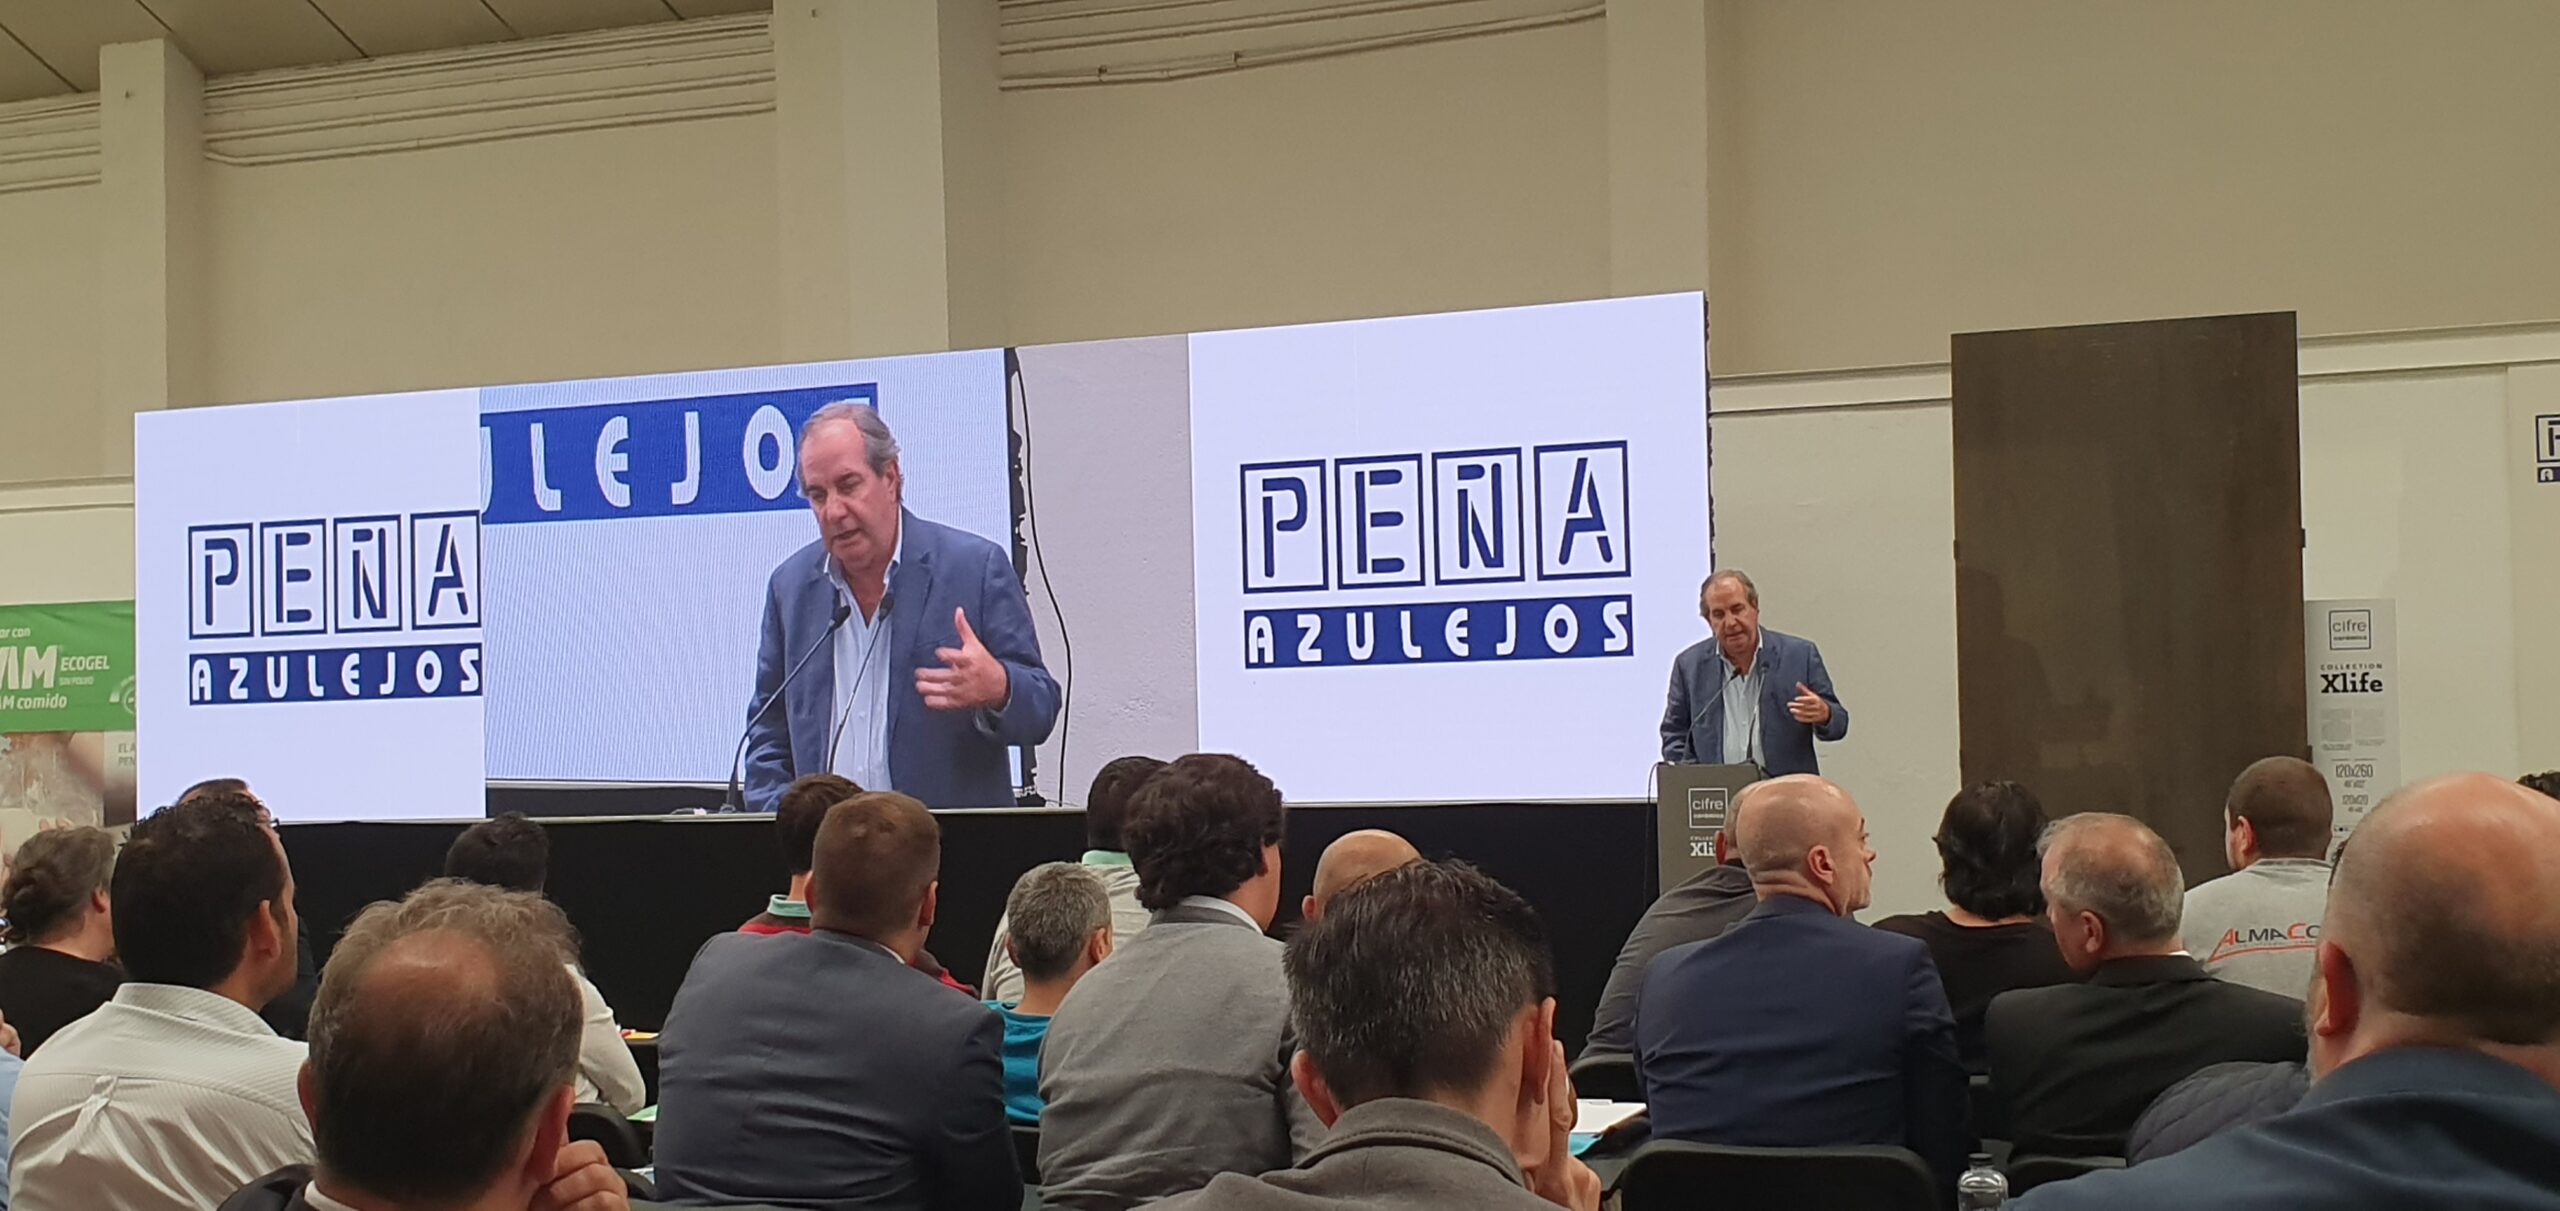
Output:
x=2351 y=658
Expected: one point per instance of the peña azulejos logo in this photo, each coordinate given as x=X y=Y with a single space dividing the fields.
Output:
x=366 y=607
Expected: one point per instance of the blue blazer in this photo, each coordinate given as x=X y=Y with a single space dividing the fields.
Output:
x=2411 y=1127
x=945 y=758
x=1800 y=1029
x=1693 y=717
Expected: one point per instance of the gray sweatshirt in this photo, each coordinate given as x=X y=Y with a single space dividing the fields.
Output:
x=2259 y=926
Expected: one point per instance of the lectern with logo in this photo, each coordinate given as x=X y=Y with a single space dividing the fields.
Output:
x=1690 y=803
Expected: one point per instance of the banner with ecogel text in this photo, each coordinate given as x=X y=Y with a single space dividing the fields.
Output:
x=66 y=716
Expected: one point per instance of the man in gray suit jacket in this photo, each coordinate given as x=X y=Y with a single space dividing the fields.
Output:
x=821 y=1070
x=1169 y=1063
x=1426 y=1008
x=1749 y=694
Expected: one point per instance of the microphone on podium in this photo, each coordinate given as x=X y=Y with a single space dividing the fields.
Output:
x=737 y=766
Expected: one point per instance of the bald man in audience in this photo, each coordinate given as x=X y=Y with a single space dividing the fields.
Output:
x=1352 y=859
x=2435 y=1029
x=1799 y=1027
x=2075 y=1064
x=2259 y=924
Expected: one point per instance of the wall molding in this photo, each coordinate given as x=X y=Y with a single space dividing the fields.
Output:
x=49 y=143
x=1084 y=43
x=669 y=72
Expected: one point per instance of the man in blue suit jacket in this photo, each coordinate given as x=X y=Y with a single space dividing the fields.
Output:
x=1799 y=1027
x=1748 y=694
x=2435 y=1029
x=923 y=665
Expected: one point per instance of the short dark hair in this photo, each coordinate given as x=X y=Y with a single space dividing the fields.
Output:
x=186 y=885
x=1106 y=805
x=1199 y=826
x=214 y=786
x=506 y=851
x=1052 y=915
x=426 y=1077
x=876 y=855
x=52 y=875
x=802 y=808
x=1987 y=850
x=2547 y=782
x=1411 y=980
x=2286 y=801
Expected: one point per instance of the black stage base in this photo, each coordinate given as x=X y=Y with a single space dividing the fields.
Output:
x=646 y=892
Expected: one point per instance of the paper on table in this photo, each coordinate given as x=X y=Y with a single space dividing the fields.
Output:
x=1593 y=1116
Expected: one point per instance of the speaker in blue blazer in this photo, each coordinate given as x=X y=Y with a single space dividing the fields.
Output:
x=1693 y=713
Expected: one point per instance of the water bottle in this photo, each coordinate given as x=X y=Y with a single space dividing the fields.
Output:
x=1982 y=1188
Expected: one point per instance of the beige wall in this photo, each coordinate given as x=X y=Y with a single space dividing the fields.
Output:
x=48 y=333
x=1883 y=174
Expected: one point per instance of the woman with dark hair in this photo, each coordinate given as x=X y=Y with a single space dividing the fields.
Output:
x=61 y=934
x=1992 y=937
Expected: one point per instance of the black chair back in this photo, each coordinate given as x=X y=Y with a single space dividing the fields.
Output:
x=1675 y=1175
x=1026 y=1152
x=1982 y=1105
x=609 y=1127
x=2028 y=1172
x=1612 y=1077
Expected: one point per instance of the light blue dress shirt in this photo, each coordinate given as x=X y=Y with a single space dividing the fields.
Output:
x=860 y=745
x=1742 y=740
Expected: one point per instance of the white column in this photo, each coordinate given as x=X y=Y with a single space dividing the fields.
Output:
x=890 y=176
x=151 y=261
x=1657 y=62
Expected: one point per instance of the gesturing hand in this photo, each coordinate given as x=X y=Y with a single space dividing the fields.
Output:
x=1809 y=707
x=970 y=679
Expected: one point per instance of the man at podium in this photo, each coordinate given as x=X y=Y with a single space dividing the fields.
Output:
x=1748 y=695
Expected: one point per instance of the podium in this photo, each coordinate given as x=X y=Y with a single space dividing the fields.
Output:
x=1690 y=803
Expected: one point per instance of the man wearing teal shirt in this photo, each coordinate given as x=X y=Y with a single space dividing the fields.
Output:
x=1105 y=806
x=1061 y=927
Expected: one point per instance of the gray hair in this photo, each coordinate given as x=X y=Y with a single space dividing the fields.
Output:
x=1051 y=915
x=426 y=1077
x=2116 y=867
x=1750 y=591
x=878 y=444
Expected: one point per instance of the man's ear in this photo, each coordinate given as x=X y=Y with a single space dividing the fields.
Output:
x=1824 y=868
x=307 y=1086
x=2335 y=1005
x=549 y=1135
x=1270 y=860
x=266 y=931
x=1307 y=908
x=1011 y=953
x=932 y=902
x=1537 y=1047
x=1724 y=846
x=1098 y=947
x=1311 y=1086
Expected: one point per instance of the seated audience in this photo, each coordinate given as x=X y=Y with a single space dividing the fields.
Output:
x=1061 y=927
x=1106 y=808
x=1992 y=937
x=1169 y=1065
x=1700 y=907
x=443 y=1047
x=796 y=817
x=290 y=1013
x=2435 y=1029
x=1426 y=1017
x=1800 y=1027
x=2217 y=1098
x=174 y=1093
x=819 y=1070
x=2259 y=924
x=62 y=937
x=1353 y=858
x=514 y=853
x=2075 y=1064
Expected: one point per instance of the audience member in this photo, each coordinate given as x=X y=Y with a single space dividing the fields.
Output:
x=1799 y=1027
x=2547 y=782
x=1106 y=810
x=1426 y=1011
x=62 y=937
x=1700 y=907
x=2215 y=1099
x=514 y=853
x=10 y=1066
x=290 y=1012
x=174 y=1093
x=796 y=817
x=818 y=1070
x=1354 y=858
x=1169 y=1065
x=443 y=1048
x=2259 y=924
x=2435 y=1027
x=1992 y=937
x=2075 y=1064
x=1061 y=927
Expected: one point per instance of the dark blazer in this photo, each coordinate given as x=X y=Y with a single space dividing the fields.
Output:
x=1390 y=1154
x=1702 y=907
x=1693 y=713
x=817 y=1071
x=2411 y=1129
x=1798 y=1028
x=2075 y=1064
x=945 y=758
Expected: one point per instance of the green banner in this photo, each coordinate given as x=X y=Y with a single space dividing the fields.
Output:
x=66 y=668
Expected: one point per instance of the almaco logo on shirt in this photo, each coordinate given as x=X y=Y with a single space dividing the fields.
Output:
x=2301 y=935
